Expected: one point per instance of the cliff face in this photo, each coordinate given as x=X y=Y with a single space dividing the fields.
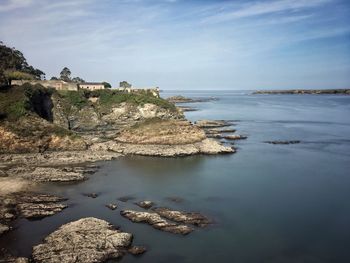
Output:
x=93 y=113
x=35 y=119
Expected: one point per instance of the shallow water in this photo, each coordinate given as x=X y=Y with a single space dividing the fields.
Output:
x=270 y=203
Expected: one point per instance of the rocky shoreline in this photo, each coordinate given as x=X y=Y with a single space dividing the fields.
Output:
x=28 y=162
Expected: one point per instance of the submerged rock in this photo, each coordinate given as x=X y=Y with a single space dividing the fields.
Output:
x=154 y=220
x=86 y=240
x=196 y=219
x=92 y=195
x=145 y=204
x=126 y=198
x=112 y=206
x=283 y=142
x=137 y=250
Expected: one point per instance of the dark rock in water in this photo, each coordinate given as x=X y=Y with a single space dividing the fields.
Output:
x=112 y=206
x=126 y=198
x=196 y=219
x=137 y=250
x=86 y=240
x=175 y=199
x=156 y=221
x=145 y=204
x=3 y=229
x=92 y=195
x=184 y=109
x=283 y=142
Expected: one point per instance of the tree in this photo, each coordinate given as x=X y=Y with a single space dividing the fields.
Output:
x=78 y=80
x=107 y=85
x=65 y=74
x=54 y=78
x=13 y=60
x=124 y=84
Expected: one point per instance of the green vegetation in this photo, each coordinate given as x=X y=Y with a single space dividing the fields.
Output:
x=74 y=98
x=108 y=98
x=16 y=102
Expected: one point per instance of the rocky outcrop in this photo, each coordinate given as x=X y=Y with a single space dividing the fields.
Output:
x=154 y=220
x=182 y=99
x=137 y=250
x=22 y=141
x=206 y=146
x=33 y=206
x=52 y=174
x=305 y=91
x=3 y=228
x=29 y=205
x=212 y=123
x=192 y=218
x=145 y=204
x=87 y=240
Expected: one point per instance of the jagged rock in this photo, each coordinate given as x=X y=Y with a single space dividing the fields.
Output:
x=154 y=220
x=137 y=250
x=112 y=206
x=87 y=240
x=212 y=123
x=3 y=229
x=145 y=204
x=283 y=142
x=196 y=219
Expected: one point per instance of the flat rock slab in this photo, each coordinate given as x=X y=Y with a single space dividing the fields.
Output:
x=35 y=206
x=234 y=137
x=193 y=218
x=83 y=241
x=212 y=123
x=51 y=174
x=156 y=221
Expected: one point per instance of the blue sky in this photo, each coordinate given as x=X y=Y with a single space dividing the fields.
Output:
x=183 y=44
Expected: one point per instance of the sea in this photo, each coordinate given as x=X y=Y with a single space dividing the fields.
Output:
x=268 y=202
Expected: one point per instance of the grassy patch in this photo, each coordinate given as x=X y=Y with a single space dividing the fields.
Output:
x=74 y=98
x=108 y=98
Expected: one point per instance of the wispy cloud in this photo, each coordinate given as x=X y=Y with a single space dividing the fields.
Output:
x=10 y=5
x=260 y=8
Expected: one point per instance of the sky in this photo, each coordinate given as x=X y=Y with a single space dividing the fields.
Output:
x=184 y=44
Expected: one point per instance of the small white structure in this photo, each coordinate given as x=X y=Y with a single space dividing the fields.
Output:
x=91 y=85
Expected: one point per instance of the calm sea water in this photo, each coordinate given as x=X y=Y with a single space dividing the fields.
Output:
x=270 y=203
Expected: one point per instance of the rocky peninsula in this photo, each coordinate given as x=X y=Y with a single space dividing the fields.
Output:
x=305 y=91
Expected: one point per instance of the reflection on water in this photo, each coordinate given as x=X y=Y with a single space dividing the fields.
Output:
x=270 y=203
